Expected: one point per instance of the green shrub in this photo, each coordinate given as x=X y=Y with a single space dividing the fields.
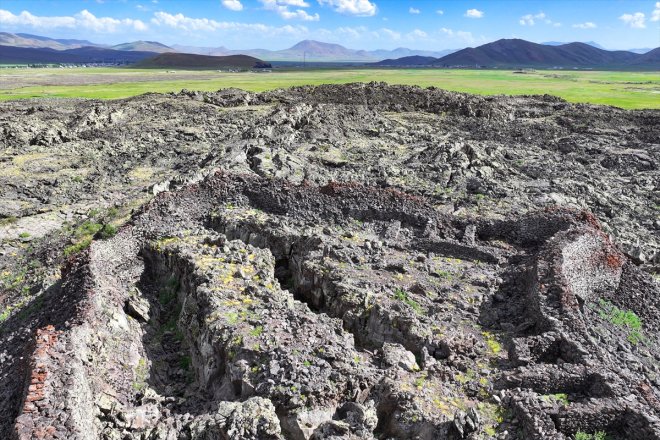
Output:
x=112 y=213
x=87 y=228
x=108 y=231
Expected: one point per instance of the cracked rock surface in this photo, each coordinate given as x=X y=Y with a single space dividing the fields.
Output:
x=332 y=262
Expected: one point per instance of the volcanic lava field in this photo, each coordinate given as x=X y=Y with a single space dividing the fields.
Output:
x=359 y=261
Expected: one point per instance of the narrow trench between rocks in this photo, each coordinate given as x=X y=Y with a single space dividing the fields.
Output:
x=165 y=287
x=170 y=371
x=288 y=264
x=309 y=289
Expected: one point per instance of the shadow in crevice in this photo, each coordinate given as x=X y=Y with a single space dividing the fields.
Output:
x=170 y=370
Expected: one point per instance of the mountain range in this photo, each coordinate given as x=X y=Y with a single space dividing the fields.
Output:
x=561 y=43
x=317 y=51
x=505 y=53
x=79 y=55
x=516 y=53
x=307 y=50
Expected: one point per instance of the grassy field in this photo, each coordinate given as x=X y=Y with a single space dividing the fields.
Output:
x=631 y=90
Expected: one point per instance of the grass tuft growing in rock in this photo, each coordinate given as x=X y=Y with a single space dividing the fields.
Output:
x=108 y=231
x=622 y=318
x=402 y=296
x=494 y=346
x=8 y=221
x=598 y=435
x=559 y=398
x=77 y=247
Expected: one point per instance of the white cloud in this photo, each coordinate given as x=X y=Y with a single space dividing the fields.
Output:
x=414 y=10
x=655 y=15
x=530 y=19
x=193 y=25
x=585 y=25
x=354 y=33
x=233 y=5
x=363 y=8
x=180 y=21
x=474 y=13
x=533 y=19
x=107 y=24
x=465 y=36
x=462 y=36
x=636 y=20
x=417 y=34
x=83 y=19
x=394 y=35
x=25 y=18
x=439 y=12
x=298 y=3
x=299 y=14
x=281 y=7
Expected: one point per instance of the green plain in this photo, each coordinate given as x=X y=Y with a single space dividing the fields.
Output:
x=630 y=90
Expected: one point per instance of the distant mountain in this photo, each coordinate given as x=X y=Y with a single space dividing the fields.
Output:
x=144 y=46
x=594 y=44
x=312 y=50
x=40 y=42
x=559 y=43
x=26 y=55
x=64 y=41
x=401 y=52
x=217 y=51
x=193 y=61
x=309 y=50
x=103 y=55
x=516 y=53
x=642 y=50
x=315 y=51
x=414 y=60
x=505 y=53
x=649 y=59
x=36 y=41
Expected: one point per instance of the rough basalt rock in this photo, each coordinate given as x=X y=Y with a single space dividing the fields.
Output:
x=272 y=314
x=334 y=262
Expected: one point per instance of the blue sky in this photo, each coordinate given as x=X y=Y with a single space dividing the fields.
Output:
x=360 y=24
